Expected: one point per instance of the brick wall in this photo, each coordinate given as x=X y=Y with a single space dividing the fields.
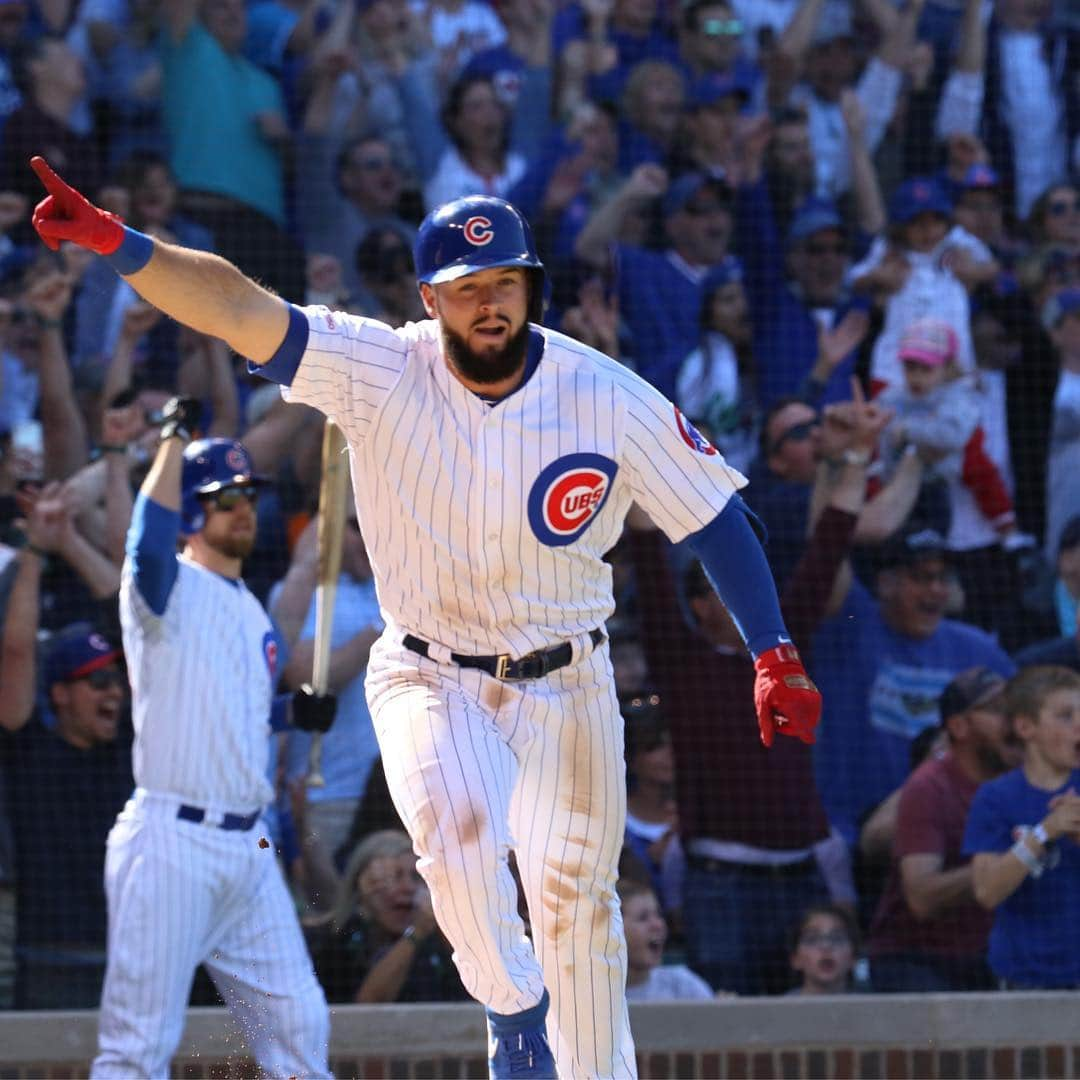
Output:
x=902 y=1037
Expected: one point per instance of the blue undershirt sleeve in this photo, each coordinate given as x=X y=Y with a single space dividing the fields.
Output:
x=729 y=548
x=281 y=367
x=151 y=549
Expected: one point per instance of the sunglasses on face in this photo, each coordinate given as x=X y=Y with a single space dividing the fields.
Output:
x=230 y=498
x=721 y=27
x=103 y=679
x=798 y=433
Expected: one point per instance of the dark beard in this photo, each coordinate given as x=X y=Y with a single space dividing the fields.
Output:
x=486 y=368
x=233 y=547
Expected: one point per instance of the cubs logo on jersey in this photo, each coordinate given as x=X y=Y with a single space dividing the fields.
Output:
x=478 y=231
x=691 y=436
x=567 y=496
x=270 y=651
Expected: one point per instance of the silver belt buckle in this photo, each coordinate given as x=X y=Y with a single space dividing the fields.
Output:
x=502 y=666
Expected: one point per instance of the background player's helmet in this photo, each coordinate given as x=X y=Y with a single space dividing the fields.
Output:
x=210 y=465
x=474 y=233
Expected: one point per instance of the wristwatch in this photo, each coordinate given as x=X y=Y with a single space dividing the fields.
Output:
x=409 y=935
x=1040 y=834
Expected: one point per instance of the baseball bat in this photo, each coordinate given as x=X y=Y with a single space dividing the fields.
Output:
x=333 y=491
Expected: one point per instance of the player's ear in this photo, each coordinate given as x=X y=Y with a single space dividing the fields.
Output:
x=427 y=295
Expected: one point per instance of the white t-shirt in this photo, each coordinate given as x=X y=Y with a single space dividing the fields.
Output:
x=671 y=982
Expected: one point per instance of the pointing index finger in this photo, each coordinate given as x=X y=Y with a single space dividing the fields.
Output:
x=53 y=184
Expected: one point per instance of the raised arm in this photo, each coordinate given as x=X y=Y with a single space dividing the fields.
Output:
x=198 y=289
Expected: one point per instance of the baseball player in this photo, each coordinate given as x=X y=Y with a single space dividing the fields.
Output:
x=493 y=462
x=186 y=879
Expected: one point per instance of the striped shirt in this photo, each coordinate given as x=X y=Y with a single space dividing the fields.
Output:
x=486 y=524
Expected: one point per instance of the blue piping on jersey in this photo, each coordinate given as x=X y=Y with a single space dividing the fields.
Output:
x=532 y=362
x=281 y=367
x=151 y=549
x=729 y=548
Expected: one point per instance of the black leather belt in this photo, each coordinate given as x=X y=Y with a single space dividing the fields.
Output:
x=772 y=870
x=229 y=822
x=534 y=665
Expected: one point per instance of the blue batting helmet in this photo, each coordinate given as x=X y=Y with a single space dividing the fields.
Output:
x=209 y=466
x=474 y=233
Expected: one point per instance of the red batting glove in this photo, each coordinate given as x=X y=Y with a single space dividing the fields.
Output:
x=785 y=698
x=65 y=214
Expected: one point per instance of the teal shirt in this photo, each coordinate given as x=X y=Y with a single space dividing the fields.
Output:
x=210 y=100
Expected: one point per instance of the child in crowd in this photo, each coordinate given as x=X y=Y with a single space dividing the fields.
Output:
x=937 y=411
x=647 y=979
x=824 y=950
x=1023 y=830
x=922 y=268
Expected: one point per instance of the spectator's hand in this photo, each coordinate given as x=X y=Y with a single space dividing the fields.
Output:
x=331 y=65
x=139 y=319
x=752 y=136
x=837 y=428
x=837 y=342
x=122 y=424
x=963 y=151
x=49 y=296
x=1064 y=816
x=647 y=181
x=423 y=918
x=272 y=127
x=66 y=214
x=598 y=12
x=48 y=524
x=13 y=207
x=325 y=279
x=594 y=321
x=658 y=847
x=566 y=183
x=870 y=420
x=785 y=698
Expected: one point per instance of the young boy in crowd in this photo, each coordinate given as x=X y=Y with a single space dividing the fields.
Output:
x=1024 y=833
x=824 y=950
x=647 y=979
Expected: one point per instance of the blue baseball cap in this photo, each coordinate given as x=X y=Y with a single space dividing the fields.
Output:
x=682 y=190
x=812 y=216
x=922 y=195
x=710 y=89
x=76 y=651
x=1058 y=306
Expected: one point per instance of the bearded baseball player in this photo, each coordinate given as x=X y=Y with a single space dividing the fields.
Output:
x=186 y=879
x=493 y=463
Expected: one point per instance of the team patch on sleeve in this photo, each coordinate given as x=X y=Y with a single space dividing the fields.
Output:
x=567 y=496
x=691 y=436
x=270 y=651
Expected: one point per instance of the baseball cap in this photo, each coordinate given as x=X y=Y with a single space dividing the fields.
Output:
x=910 y=547
x=979 y=177
x=687 y=186
x=1058 y=306
x=75 y=651
x=714 y=87
x=922 y=195
x=975 y=688
x=928 y=341
x=812 y=216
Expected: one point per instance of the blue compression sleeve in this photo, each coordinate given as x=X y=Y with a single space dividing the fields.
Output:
x=735 y=562
x=151 y=547
x=281 y=367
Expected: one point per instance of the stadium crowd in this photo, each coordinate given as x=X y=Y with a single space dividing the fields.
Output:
x=842 y=235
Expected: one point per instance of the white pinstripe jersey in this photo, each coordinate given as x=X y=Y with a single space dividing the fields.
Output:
x=486 y=524
x=202 y=687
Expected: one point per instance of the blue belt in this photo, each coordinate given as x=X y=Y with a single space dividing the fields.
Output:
x=229 y=822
